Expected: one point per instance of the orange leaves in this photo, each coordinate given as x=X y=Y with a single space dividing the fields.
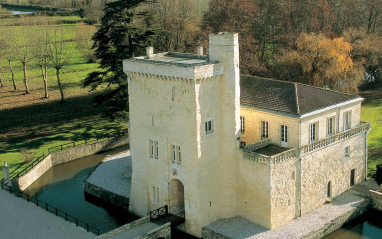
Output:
x=324 y=62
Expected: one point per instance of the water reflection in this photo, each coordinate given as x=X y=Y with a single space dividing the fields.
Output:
x=62 y=187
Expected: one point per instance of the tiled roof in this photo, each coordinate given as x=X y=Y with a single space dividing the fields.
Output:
x=287 y=97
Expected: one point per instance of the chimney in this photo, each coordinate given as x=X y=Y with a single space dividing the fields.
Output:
x=150 y=52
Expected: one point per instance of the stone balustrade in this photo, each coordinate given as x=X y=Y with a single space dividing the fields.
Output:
x=248 y=151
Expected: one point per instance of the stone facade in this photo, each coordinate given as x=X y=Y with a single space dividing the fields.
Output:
x=185 y=144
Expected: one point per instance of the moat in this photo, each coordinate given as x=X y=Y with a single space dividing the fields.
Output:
x=62 y=187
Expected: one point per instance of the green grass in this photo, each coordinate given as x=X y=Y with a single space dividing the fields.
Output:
x=372 y=112
x=31 y=124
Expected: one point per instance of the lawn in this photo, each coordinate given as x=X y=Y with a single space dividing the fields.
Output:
x=30 y=124
x=372 y=112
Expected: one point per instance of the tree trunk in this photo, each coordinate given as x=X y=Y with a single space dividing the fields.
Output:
x=46 y=95
x=13 y=75
x=59 y=84
x=25 y=77
x=1 y=82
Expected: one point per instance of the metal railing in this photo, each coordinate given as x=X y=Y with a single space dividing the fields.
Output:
x=296 y=152
x=159 y=213
x=49 y=208
x=25 y=168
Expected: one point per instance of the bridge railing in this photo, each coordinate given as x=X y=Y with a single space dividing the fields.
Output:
x=159 y=213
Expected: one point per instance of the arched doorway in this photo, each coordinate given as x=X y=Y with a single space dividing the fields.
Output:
x=176 y=196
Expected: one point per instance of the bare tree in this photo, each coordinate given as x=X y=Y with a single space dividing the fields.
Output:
x=8 y=53
x=60 y=51
x=42 y=49
x=23 y=43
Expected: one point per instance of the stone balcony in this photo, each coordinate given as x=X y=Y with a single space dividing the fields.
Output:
x=265 y=153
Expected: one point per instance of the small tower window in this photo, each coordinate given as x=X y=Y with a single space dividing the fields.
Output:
x=173 y=93
x=329 y=193
x=209 y=126
x=153 y=149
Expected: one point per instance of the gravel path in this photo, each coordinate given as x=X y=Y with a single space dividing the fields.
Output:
x=21 y=219
x=240 y=228
x=114 y=174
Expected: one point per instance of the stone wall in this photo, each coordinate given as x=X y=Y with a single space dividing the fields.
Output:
x=163 y=231
x=159 y=232
x=376 y=197
x=88 y=149
x=106 y=195
x=69 y=155
x=124 y=227
x=27 y=179
x=331 y=165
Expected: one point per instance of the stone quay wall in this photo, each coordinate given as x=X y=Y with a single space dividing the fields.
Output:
x=106 y=195
x=376 y=197
x=88 y=149
x=69 y=155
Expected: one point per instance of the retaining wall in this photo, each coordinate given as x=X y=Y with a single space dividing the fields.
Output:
x=161 y=231
x=88 y=149
x=69 y=155
x=38 y=170
x=106 y=195
x=376 y=197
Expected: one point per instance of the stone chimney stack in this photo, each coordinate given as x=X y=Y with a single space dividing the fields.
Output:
x=150 y=52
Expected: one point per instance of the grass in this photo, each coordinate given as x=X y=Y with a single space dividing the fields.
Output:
x=372 y=112
x=31 y=124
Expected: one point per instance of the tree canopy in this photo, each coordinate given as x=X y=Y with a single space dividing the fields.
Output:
x=126 y=29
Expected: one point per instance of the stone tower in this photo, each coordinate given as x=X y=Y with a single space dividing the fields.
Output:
x=185 y=131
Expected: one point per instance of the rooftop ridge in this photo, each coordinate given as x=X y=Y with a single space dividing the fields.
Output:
x=298 y=83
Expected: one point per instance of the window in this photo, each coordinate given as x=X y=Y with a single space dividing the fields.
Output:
x=264 y=129
x=155 y=194
x=242 y=143
x=347 y=151
x=330 y=126
x=284 y=134
x=313 y=132
x=329 y=190
x=242 y=125
x=209 y=126
x=347 y=120
x=153 y=148
x=173 y=93
x=176 y=154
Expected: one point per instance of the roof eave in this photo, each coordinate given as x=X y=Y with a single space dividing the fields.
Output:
x=356 y=100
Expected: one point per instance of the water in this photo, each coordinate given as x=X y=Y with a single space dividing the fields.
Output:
x=16 y=12
x=62 y=187
x=369 y=225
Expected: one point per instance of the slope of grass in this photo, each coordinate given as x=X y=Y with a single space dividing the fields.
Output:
x=372 y=112
x=30 y=124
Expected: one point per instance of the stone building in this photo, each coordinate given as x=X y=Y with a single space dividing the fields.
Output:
x=214 y=144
